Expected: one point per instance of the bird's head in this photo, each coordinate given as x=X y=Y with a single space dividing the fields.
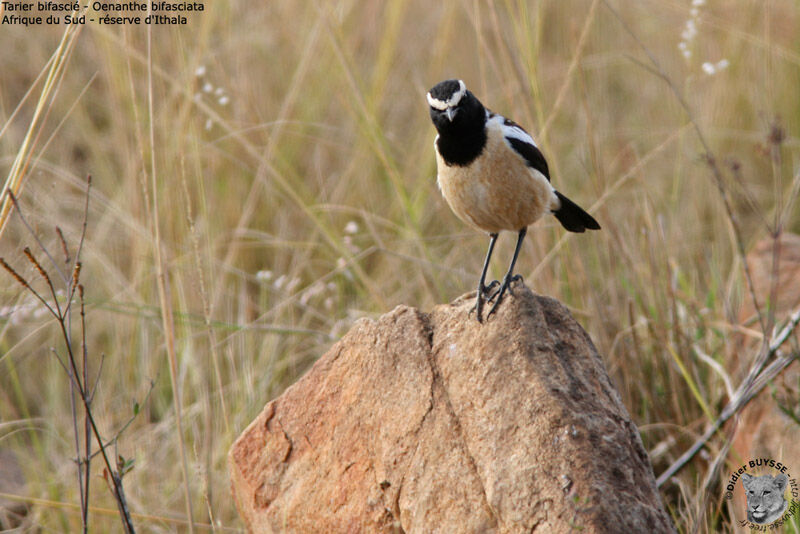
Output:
x=454 y=108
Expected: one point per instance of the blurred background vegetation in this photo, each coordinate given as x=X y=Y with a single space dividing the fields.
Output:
x=274 y=161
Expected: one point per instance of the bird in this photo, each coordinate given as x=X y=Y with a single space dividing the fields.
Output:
x=494 y=177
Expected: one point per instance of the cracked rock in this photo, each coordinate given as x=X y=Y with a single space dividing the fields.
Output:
x=435 y=423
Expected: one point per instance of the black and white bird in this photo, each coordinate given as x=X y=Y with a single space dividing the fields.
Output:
x=493 y=176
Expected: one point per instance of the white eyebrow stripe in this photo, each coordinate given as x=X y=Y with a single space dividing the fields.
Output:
x=435 y=103
x=453 y=101
x=462 y=90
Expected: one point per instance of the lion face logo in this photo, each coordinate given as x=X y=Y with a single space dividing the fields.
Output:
x=765 y=502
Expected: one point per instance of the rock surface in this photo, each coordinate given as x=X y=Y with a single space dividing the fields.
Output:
x=435 y=423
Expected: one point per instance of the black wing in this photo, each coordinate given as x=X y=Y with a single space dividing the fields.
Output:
x=532 y=155
x=523 y=144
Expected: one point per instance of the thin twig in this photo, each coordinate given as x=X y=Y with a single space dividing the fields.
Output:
x=43 y=273
x=64 y=247
x=77 y=267
x=24 y=283
x=87 y=441
x=33 y=234
x=76 y=384
x=118 y=433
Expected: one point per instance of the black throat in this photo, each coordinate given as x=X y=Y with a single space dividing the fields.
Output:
x=461 y=140
x=463 y=148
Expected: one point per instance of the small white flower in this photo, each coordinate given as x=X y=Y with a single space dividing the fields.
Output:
x=207 y=87
x=223 y=100
x=351 y=227
x=219 y=91
x=722 y=64
x=263 y=276
x=708 y=68
x=200 y=71
x=340 y=263
x=328 y=303
x=690 y=32
x=687 y=54
x=694 y=12
x=209 y=124
x=697 y=3
x=279 y=282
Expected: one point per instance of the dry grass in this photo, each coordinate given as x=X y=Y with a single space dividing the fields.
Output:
x=265 y=176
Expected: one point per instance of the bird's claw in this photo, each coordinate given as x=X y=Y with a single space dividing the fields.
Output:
x=478 y=307
x=504 y=288
x=493 y=284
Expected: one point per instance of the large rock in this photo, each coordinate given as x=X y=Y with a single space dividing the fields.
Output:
x=435 y=423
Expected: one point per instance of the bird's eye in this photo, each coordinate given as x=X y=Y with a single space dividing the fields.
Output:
x=766 y=492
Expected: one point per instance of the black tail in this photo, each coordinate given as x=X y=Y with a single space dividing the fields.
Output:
x=572 y=216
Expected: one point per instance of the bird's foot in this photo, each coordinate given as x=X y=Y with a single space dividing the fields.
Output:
x=505 y=287
x=478 y=307
x=480 y=299
x=488 y=288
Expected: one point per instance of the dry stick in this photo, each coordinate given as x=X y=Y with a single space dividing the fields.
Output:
x=83 y=479
x=68 y=370
x=76 y=269
x=87 y=442
x=13 y=198
x=24 y=283
x=119 y=495
x=749 y=388
x=71 y=286
x=167 y=318
x=64 y=247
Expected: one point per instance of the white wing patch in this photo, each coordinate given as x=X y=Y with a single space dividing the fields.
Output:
x=509 y=128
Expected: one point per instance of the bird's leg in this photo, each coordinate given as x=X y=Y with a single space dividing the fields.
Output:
x=481 y=287
x=509 y=277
